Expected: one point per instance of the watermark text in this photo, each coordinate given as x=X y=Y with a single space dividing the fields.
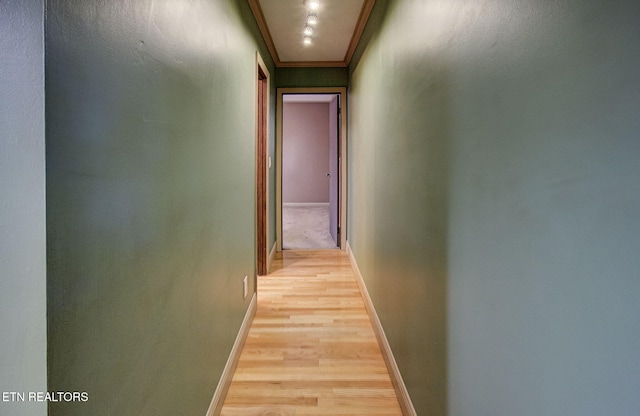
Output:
x=45 y=396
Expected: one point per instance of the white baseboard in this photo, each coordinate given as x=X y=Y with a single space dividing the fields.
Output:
x=394 y=372
x=305 y=204
x=232 y=362
x=272 y=256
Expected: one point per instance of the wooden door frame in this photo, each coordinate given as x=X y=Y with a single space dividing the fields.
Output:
x=342 y=166
x=262 y=166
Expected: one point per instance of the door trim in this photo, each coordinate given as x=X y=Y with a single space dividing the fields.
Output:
x=342 y=222
x=263 y=80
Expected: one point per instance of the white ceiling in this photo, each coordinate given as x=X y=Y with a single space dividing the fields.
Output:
x=340 y=24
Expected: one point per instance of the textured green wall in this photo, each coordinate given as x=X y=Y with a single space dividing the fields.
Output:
x=150 y=155
x=494 y=202
x=23 y=325
x=311 y=77
x=398 y=204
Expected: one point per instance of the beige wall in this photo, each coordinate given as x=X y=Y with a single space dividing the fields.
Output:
x=305 y=152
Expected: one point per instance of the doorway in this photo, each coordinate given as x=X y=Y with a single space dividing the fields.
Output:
x=310 y=160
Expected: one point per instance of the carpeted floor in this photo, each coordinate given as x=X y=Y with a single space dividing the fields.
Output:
x=306 y=228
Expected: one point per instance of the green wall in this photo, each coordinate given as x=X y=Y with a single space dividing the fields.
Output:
x=150 y=157
x=23 y=326
x=398 y=204
x=494 y=206
x=311 y=77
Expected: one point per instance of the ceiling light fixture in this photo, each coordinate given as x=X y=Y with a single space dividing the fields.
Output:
x=312 y=4
x=312 y=19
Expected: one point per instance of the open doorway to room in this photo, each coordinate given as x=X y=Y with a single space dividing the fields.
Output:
x=311 y=148
x=310 y=171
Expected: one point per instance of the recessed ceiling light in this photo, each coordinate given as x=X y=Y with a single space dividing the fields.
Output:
x=312 y=19
x=312 y=4
x=308 y=30
x=307 y=40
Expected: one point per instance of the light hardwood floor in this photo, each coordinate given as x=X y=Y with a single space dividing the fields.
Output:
x=311 y=349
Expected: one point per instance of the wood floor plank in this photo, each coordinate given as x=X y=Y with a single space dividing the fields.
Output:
x=311 y=349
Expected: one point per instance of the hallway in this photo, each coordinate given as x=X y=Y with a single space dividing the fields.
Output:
x=311 y=348
x=490 y=160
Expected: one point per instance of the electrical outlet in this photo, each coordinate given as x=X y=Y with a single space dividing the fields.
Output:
x=245 y=287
